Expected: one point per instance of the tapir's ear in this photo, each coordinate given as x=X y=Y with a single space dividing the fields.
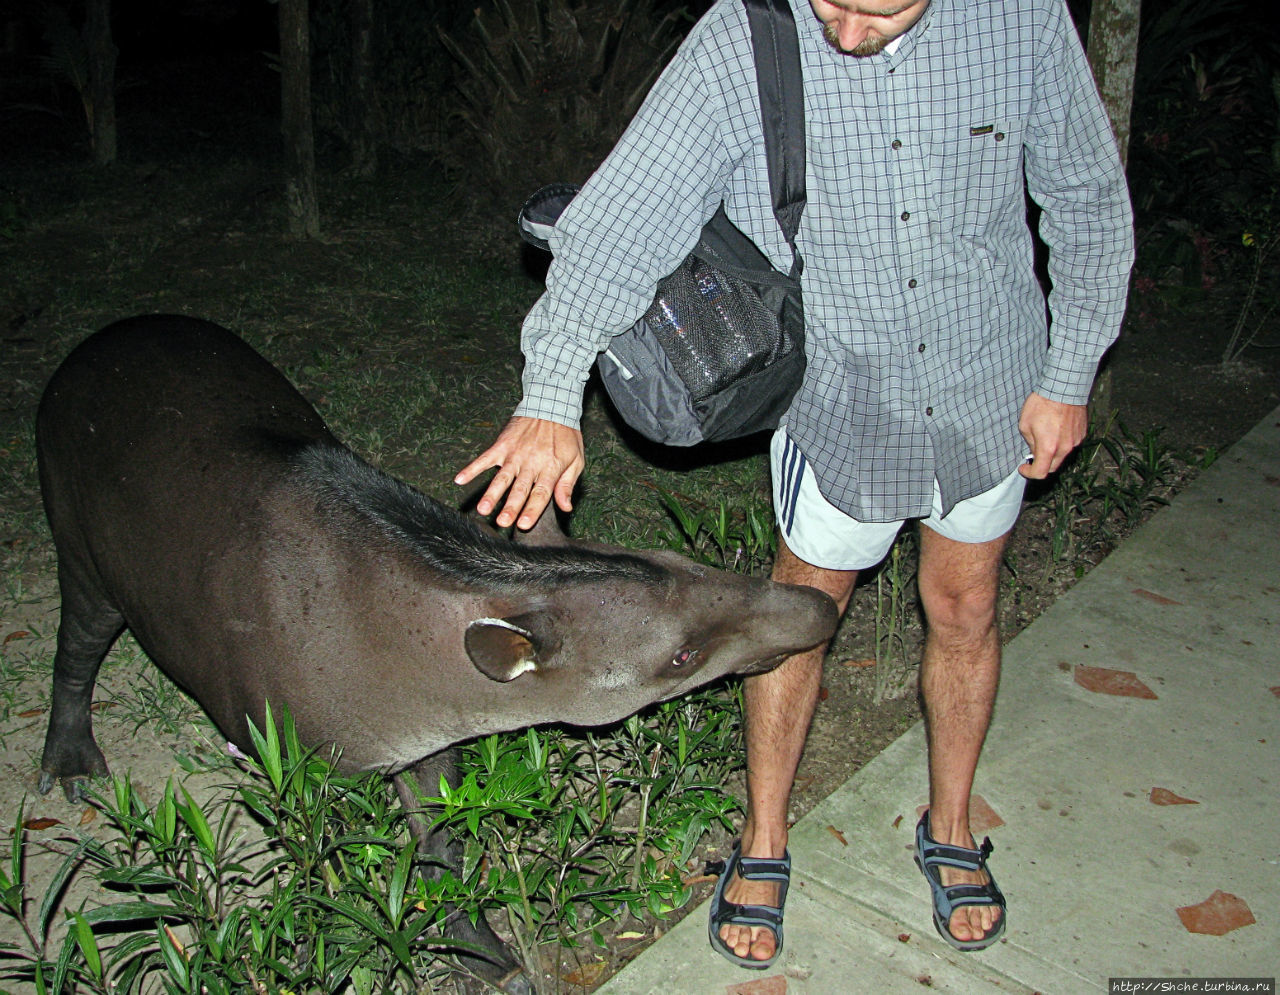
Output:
x=546 y=531
x=501 y=649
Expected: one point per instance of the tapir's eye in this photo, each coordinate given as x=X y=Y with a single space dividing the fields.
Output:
x=683 y=657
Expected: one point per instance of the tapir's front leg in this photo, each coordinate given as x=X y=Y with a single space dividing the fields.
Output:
x=87 y=628
x=440 y=851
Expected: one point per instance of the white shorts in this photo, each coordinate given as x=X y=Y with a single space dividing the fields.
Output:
x=821 y=534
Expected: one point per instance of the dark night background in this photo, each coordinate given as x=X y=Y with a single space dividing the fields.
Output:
x=399 y=320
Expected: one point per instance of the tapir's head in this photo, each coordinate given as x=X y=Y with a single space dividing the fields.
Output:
x=619 y=630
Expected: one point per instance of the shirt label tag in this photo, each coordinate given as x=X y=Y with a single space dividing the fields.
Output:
x=984 y=129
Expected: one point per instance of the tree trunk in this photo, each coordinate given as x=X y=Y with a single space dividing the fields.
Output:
x=299 y=139
x=1113 y=57
x=363 y=107
x=101 y=84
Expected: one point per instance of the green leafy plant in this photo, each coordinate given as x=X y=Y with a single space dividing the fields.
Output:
x=564 y=832
x=742 y=540
x=1114 y=477
x=322 y=900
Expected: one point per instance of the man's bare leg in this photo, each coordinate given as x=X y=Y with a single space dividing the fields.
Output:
x=779 y=707
x=958 y=678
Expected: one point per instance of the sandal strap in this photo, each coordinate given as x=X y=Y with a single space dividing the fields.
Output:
x=972 y=894
x=961 y=857
x=957 y=856
x=764 y=868
x=750 y=915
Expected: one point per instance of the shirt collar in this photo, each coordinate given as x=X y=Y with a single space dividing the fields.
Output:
x=911 y=39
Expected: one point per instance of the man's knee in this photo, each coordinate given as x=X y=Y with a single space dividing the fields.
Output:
x=959 y=582
x=962 y=613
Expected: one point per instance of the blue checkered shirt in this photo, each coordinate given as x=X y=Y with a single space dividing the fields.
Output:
x=926 y=326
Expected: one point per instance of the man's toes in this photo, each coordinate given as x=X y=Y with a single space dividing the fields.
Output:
x=745 y=941
x=973 y=922
x=737 y=939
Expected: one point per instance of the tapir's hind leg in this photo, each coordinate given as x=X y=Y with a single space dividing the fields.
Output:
x=498 y=967
x=88 y=627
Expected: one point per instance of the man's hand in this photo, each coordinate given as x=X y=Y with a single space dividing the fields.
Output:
x=538 y=459
x=1052 y=429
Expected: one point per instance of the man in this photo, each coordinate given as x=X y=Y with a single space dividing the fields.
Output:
x=933 y=389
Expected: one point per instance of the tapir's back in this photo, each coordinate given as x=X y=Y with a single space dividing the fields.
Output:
x=164 y=421
x=174 y=387
x=162 y=442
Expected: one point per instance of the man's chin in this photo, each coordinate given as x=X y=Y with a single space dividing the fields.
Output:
x=871 y=45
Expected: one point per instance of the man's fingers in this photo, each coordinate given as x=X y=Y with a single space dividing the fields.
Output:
x=534 y=506
x=536 y=461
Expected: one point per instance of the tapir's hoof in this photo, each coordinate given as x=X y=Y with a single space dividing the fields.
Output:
x=72 y=787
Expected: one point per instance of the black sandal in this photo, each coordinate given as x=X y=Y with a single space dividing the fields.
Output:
x=725 y=913
x=930 y=855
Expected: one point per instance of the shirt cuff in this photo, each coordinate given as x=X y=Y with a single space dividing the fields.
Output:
x=556 y=400
x=1067 y=385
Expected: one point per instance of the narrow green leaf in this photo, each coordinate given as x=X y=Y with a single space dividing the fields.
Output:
x=165 y=823
x=130 y=912
x=173 y=959
x=54 y=891
x=399 y=881
x=199 y=825
x=88 y=944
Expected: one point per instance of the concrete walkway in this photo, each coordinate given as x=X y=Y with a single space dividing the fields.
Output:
x=1094 y=867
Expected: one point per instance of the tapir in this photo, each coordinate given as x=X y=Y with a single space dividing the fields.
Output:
x=197 y=498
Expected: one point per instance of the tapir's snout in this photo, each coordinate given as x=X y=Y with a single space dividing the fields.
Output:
x=812 y=618
x=799 y=619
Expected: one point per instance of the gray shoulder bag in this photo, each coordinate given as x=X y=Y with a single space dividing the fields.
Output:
x=720 y=352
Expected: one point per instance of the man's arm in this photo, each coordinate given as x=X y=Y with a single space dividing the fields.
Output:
x=634 y=221
x=1074 y=173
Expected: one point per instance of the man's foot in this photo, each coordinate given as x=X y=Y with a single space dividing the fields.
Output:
x=746 y=910
x=968 y=907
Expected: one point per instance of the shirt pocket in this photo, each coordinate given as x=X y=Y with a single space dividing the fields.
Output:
x=979 y=167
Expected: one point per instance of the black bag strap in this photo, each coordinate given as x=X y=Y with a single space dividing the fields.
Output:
x=780 y=81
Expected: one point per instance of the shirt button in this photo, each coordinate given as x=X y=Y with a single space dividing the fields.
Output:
x=905 y=215
x=928 y=411
x=911 y=284
x=895 y=144
x=920 y=348
x=999 y=136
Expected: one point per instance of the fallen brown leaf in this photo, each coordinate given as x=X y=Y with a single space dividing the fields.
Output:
x=1159 y=599
x=1217 y=915
x=88 y=815
x=864 y=662
x=587 y=975
x=838 y=835
x=1121 y=683
x=17 y=634
x=31 y=713
x=775 y=984
x=38 y=824
x=1163 y=796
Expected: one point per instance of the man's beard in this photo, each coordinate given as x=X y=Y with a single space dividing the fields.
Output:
x=870 y=45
